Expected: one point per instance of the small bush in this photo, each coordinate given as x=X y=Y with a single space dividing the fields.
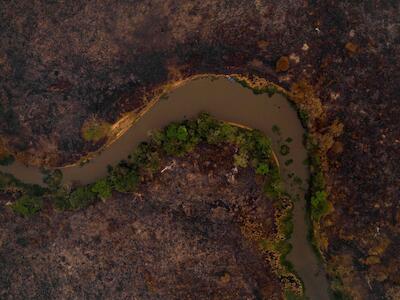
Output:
x=124 y=179
x=319 y=205
x=304 y=118
x=241 y=159
x=177 y=140
x=82 y=197
x=262 y=169
x=27 y=205
x=103 y=189
x=61 y=200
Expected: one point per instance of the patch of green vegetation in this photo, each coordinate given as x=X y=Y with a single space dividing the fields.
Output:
x=317 y=202
x=102 y=188
x=240 y=159
x=262 y=169
x=10 y=183
x=289 y=140
x=270 y=89
x=304 y=117
x=60 y=200
x=124 y=178
x=27 y=205
x=273 y=187
x=81 y=197
x=284 y=150
x=243 y=83
x=319 y=205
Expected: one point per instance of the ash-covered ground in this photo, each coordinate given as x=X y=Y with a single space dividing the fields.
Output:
x=64 y=62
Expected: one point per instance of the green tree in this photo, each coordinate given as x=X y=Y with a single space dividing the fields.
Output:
x=124 y=179
x=262 y=169
x=103 y=189
x=27 y=205
x=241 y=159
x=82 y=197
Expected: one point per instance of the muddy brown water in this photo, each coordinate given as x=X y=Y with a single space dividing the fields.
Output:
x=226 y=100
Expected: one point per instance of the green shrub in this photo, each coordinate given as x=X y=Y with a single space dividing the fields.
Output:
x=157 y=138
x=182 y=133
x=61 y=200
x=262 y=169
x=273 y=189
x=205 y=125
x=123 y=178
x=27 y=205
x=82 y=197
x=287 y=224
x=241 y=159
x=146 y=157
x=304 y=117
x=258 y=145
x=103 y=189
x=319 y=205
x=228 y=132
x=271 y=90
x=317 y=181
x=177 y=140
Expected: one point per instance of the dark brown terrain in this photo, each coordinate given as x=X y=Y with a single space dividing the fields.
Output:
x=186 y=234
x=64 y=62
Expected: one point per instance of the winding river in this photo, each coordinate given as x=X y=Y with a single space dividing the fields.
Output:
x=226 y=100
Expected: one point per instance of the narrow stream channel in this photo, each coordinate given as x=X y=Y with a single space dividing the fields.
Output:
x=228 y=101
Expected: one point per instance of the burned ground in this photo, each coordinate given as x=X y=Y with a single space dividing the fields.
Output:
x=182 y=235
x=63 y=62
